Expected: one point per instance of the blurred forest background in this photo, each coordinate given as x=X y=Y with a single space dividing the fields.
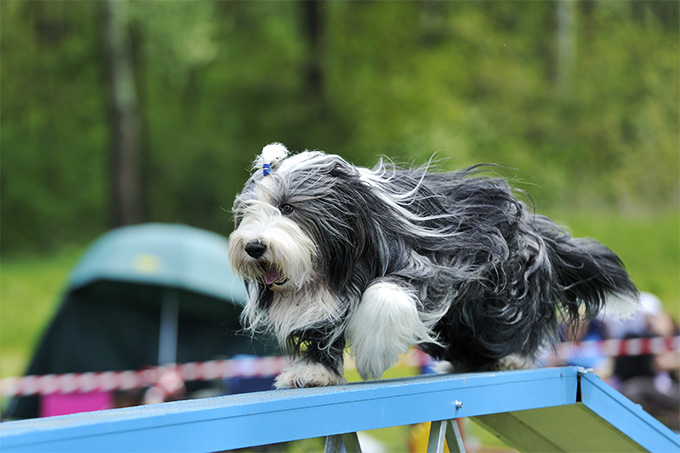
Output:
x=119 y=112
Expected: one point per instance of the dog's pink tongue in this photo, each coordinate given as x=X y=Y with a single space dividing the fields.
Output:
x=272 y=275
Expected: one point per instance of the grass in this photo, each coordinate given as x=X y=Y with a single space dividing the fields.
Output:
x=30 y=289
x=648 y=245
x=31 y=286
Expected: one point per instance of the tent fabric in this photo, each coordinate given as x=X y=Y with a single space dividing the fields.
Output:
x=177 y=256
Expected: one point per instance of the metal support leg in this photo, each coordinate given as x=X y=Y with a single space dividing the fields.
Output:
x=437 y=432
x=350 y=440
x=445 y=431
x=333 y=444
x=454 y=438
x=169 y=325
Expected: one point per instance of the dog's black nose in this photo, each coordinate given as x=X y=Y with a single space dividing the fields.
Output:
x=255 y=249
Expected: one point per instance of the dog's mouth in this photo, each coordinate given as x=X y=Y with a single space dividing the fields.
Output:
x=273 y=275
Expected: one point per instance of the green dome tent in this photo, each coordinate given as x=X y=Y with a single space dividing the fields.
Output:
x=144 y=295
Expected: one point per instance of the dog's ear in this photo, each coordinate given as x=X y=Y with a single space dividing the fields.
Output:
x=270 y=157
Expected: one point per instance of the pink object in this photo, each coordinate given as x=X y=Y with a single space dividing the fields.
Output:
x=71 y=403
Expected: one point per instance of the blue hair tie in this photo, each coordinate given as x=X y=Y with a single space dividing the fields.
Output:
x=266 y=169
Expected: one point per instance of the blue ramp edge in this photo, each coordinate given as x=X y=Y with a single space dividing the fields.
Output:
x=238 y=421
x=627 y=417
x=601 y=420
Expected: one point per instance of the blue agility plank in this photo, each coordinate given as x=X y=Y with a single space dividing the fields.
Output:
x=536 y=410
x=601 y=420
x=238 y=421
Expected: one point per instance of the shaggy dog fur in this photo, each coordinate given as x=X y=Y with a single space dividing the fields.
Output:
x=386 y=258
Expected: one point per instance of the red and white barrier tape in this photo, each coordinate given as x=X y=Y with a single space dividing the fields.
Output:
x=615 y=347
x=127 y=380
x=271 y=366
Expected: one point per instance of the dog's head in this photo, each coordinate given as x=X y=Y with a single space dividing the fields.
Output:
x=299 y=222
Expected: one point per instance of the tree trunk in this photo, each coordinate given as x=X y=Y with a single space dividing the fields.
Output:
x=312 y=24
x=566 y=44
x=126 y=196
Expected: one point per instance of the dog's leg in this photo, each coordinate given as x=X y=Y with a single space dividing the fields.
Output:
x=514 y=362
x=305 y=373
x=317 y=366
x=507 y=363
x=384 y=325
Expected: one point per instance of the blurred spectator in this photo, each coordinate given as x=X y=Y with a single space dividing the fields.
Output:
x=648 y=318
x=169 y=387
x=648 y=379
x=586 y=355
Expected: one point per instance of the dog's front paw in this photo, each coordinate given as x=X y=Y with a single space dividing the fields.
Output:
x=305 y=374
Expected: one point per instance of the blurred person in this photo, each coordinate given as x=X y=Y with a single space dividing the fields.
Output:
x=169 y=387
x=586 y=355
x=650 y=380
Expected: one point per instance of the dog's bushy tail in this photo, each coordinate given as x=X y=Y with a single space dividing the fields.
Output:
x=589 y=277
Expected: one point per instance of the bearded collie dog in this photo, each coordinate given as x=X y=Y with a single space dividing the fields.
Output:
x=382 y=259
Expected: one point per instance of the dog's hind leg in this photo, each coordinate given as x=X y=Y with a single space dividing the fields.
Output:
x=507 y=363
x=513 y=362
x=384 y=325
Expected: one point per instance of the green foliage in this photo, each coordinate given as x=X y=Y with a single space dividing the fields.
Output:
x=469 y=81
x=53 y=124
